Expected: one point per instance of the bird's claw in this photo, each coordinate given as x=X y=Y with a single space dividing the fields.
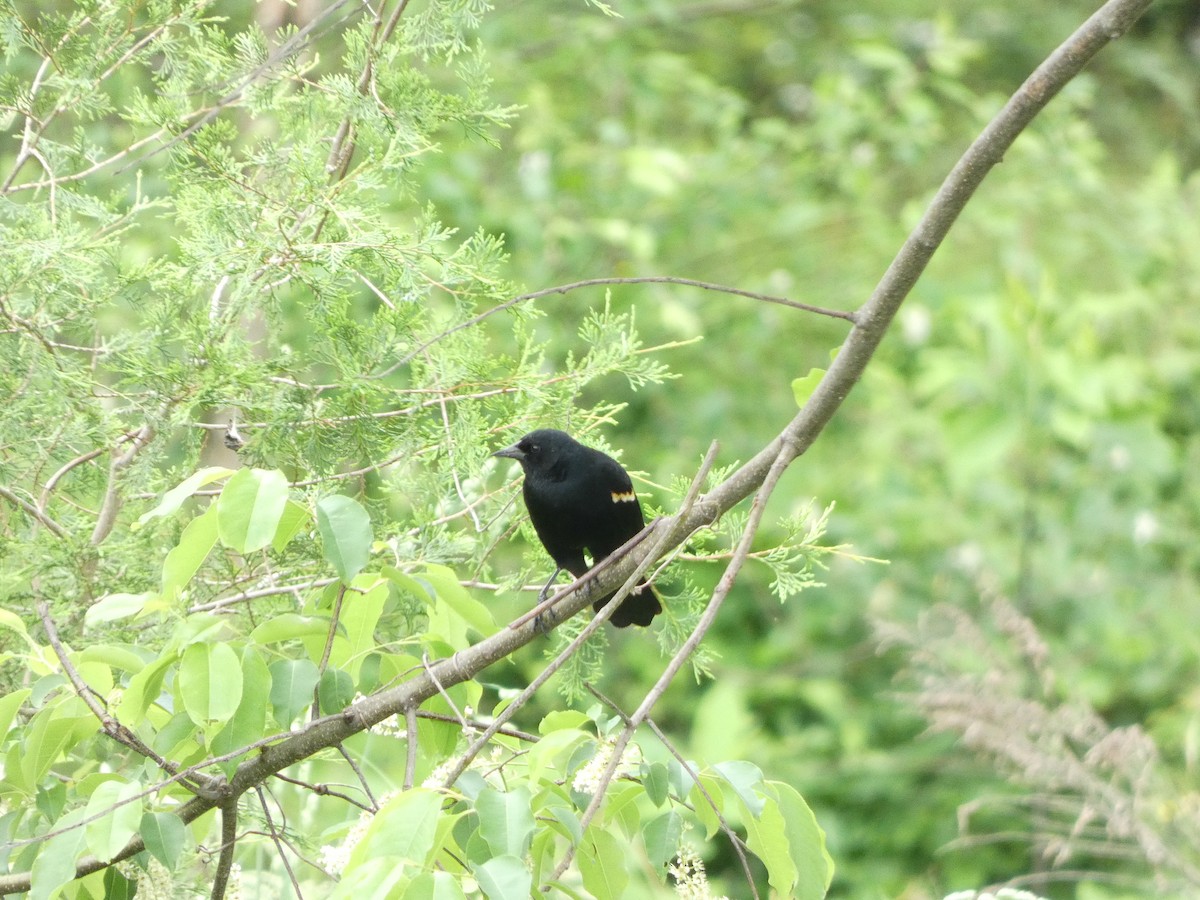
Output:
x=545 y=620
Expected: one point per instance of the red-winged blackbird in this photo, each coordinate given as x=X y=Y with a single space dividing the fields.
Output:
x=581 y=499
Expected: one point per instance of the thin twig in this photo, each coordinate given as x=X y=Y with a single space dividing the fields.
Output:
x=329 y=636
x=593 y=282
x=39 y=515
x=735 y=839
x=279 y=844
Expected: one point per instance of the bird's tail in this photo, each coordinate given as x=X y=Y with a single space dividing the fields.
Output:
x=639 y=608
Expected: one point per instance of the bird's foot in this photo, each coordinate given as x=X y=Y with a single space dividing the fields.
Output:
x=545 y=620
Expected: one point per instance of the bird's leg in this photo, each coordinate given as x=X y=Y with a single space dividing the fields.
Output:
x=543 y=620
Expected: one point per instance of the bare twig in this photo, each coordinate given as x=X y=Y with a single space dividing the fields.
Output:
x=280 y=847
x=735 y=839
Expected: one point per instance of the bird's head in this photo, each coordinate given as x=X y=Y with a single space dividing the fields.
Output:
x=539 y=451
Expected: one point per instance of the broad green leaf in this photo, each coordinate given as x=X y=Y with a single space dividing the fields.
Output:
x=250 y=720
x=9 y=704
x=53 y=730
x=449 y=591
x=807 y=841
x=10 y=620
x=360 y=614
x=55 y=863
x=746 y=779
x=657 y=782
x=120 y=814
x=661 y=837
x=294 y=518
x=554 y=745
x=504 y=878
x=603 y=863
x=505 y=820
x=174 y=498
x=289 y=626
x=186 y=557
x=117 y=656
x=403 y=829
x=345 y=530
x=112 y=607
x=335 y=690
x=767 y=838
x=250 y=507
x=292 y=683
x=144 y=688
x=434 y=886
x=377 y=879
x=562 y=718
x=210 y=683
x=164 y=835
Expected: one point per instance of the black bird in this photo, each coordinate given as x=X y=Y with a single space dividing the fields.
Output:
x=581 y=499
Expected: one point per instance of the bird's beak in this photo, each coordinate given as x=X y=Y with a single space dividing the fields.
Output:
x=513 y=452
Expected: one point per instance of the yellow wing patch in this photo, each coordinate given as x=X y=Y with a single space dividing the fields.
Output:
x=623 y=496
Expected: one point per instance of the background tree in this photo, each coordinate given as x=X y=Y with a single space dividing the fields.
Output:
x=209 y=222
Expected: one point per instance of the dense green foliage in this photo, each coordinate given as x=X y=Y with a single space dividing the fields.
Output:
x=299 y=228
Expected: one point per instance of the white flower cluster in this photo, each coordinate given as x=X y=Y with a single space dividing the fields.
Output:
x=1001 y=894
x=691 y=881
x=335 y=857
x=587 y=779
x=155 y=883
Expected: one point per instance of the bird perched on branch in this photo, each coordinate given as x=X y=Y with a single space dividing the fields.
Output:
x=580 y=499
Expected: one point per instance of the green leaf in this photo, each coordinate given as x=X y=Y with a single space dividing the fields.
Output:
x=336 y=690
x=802 y=388
x=294 y=518
x=53 y=730
x=405 y=829
x=120 y=814
x=505 y=820
x=434 y=886
x=210 y=683
x=186 y=557
x=746 y=779
x=112 y=607
x=791 y=845
x=55 y=864
x=174 y=498
x=9 y=704
x=13 y=622
x=250 y=507
x=661 y=837
x=562 y=718
x=361 y=609
x=145 y=687
x=603 y=863
x=445 y=583
x=292 y=683
x=250 y=720
x=345 y=531
x=504 y=878
x=656 y=780
x=289 y=626
x=164 y=835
